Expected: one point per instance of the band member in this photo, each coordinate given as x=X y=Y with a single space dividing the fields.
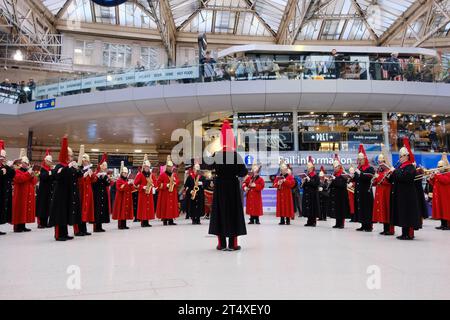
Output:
x=310 y=201
x=102 y=196
x=253 y=186
x=363 y=191
x=145 y=183
x=45 y=191
x=195 y=194
x=405 y=212
x=24 y=198
x=338 y=205
x=323 y=195
x=123 y=204
x=351 y=195
x=86 y=194
x=227 y=215
x=65 y=208
x=209 y=191
x=167 y=208
x=155 y=176
x=285 y=205
x=6 y=179
x=440 y=183
x=296 y=197
x=381 y=203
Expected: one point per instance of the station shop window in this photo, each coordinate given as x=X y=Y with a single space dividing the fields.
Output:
x=427 y=133
x=83 y=52
x=339 y=131
x=150 y=57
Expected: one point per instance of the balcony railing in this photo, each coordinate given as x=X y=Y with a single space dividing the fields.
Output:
x=242 y=71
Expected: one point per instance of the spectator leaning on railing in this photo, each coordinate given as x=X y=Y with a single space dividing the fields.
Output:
x=392 y=66
x=208 y=67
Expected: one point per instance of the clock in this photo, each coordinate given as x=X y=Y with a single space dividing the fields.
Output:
x=109 y=3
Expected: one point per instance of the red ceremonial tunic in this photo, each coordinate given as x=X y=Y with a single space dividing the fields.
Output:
x=254 y=206
x=123 y=203
x=87 y=198
x=285 y=204
x=24 y=198
x=146 y=209
x=381 y=203
x=167 y=205
x=441 y=196
x=351 y=199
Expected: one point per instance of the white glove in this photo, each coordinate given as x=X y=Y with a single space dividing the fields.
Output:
x=50 y=173
x=358 y=171
x=253 y=185
x=246 y=189
x=145 y=187
x=308 y=178
x=200 y=183
x=4 y=171
x=168 y=185
x=320 y=189
x=349 y=185
x=332 y=177
x=9 y=163
x=59 y=170
x=30 y=171
x=85 y=174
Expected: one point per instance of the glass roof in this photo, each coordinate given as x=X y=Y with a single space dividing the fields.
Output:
x=318 y=19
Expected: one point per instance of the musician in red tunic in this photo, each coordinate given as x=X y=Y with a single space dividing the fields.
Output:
x=284 y=184
x=381 y=203
x=123 y=203
x=86 y=195
x=145 y=182
x=253 y=186
x=24 y=199
x=441 y=193
x=167 y=207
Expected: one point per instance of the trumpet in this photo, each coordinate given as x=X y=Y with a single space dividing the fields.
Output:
x=171 y=182
x=195 y=189
x=429 y=172
x=149 y=185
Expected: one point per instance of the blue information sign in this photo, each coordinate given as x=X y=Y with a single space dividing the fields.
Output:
x=45 y=104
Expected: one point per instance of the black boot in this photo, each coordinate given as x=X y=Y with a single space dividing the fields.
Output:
x=251 y=220
x=165 y=222
x=222 y=243
x=171 y=223
x=233 y=244
x=281 y=221
x=125 y=224
x=445 y=225
x=84 y=229
x=368 y=227
x=257 y=220
x=288 y=221
x=2 y=233
x=406 y=234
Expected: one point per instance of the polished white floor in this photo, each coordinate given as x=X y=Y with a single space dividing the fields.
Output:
x=180 y=262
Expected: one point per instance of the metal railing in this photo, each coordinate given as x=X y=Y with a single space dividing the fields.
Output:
x=246 y=70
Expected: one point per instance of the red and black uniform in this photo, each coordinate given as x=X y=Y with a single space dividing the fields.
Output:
x=310 y=200
x=102 y=201
x=65 y=208
x=146 y=208
x=24 y=200
x=44 y=196
x=123 y=204
x=195 y=207
x=364 y=197
x=7 y=175
x=381 y=203
x=87 y=201
x=209 y=191
x=351 y=200
x=338 y=202
x=404 y=209
x=441 y=199
x=254 y=205
x=285 y=204
x=167 y=208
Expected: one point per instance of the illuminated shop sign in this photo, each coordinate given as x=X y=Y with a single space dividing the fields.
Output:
x=317 y=137
x=365 y=137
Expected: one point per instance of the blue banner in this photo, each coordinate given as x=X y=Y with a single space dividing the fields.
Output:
x=45 y=104
x=426 y=160
x=109 y=3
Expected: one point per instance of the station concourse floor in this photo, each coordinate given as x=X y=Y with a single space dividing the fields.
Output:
x=181 y=262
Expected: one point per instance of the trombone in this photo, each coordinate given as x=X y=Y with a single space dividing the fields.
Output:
x=428 y=172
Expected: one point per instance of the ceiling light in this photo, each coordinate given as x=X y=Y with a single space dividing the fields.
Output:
x=344 y=114
x=434 y=115
x=399 y=114
x=138 y=151
x=78 y=50
x=427 y=120
x=311 y=112
x=95 y=150
x=109 y=78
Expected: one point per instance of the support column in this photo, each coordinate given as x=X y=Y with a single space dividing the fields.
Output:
x=385 y=122
x=295 y=130
x=235 y=128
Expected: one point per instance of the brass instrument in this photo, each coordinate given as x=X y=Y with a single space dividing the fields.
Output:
x=149 y=187
x=196 y=188
x=428 y=172
x=171 y=182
